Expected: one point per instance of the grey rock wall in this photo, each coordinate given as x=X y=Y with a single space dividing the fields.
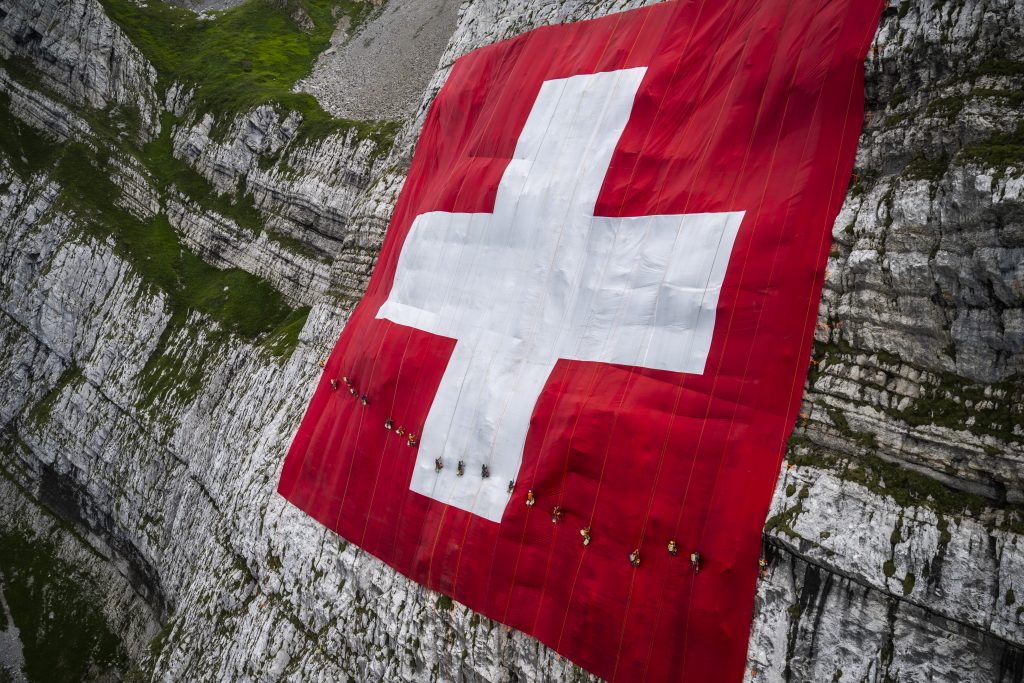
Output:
x=74 y=50
x=894 y=543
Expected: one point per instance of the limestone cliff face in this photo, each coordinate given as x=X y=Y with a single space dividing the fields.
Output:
x=143 y=429
x=74 y=50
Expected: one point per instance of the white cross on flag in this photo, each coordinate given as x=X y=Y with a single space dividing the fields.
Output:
x=541 y=278
x=565 y=396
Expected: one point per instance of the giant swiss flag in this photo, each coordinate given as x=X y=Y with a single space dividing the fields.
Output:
x=564 y=399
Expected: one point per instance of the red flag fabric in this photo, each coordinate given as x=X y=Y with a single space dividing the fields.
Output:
x=564 y=398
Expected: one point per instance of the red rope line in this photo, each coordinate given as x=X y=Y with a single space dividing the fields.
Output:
x=558 y=400
x=703 y=527
x=632 y=372
x=679 y=390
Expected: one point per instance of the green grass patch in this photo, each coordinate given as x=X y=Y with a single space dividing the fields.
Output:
x=783 y=521
x=946 y=405
x=950 y=402
x=298 y=246
x=159 y=641
x=888 y=568
x=907 y=488
x=1011 y=98
x=236 y=59
x=998 y=65
x=1000 y=151
x=248 y=55
x=166 y=171
x=283 y=340
x=924 y=168
x=40 y=412
x=63 y=632
x=243 y=303
x=946 y=107
x=177 y=371
x=27 y=150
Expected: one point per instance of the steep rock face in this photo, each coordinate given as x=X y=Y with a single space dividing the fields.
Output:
x=160 y=437
x=308 y=199
x=915 y=380
x=76 y=51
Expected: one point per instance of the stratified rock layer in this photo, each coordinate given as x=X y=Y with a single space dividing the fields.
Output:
x=894 y=545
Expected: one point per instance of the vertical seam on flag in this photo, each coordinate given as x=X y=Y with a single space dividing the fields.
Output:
x=470 y=517
x=479 y=131
x=540 y=452
x=547 y=275
x=459 y=395
x=632 y=373
x=328 y=366
x=809 y=311
x=387 y=437
x=594 y=370
x=757 y=325
x=334 y=427
x=824 y=233
x=359 y=429
x=679 y=390
x=782 y=124
x=589 y=393
x=689 y=599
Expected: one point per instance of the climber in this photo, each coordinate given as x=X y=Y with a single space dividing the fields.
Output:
x=695 y=561
x=438 y=465
x=388 y=424
x=634 y=558
x=673 y=548
x=530 y=500
x=334 y=384
x=460 y=469
x=347 y=381
x=556 y=514
x=485 y=471
x=585 y=533
x=511 y=485
x=364 y=399
x=400 y=431
x=411 y=441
